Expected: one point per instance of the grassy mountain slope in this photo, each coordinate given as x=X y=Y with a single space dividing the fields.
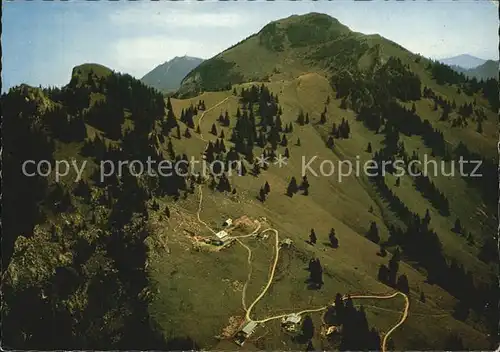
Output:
x=343 y=205
x=119 y=259
x=299 y=72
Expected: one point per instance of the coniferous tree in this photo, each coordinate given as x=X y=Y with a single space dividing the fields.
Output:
x=470 y=239
x=284 y=141
x=312 y=237
x=307 y=328
x=334 y=242
x=373 y=232
x=262 y=195
x=330 y=143
x=394 y=266
x=170 y=149
x=267 y=188
x=322 y=119
x=305 y=185
x=301 y=118
x=187 y=134
x=306 y=120
x=287 y=153
x=298 y=142
x=255 y=169
x=369 y=148
x=457 y=228
x=214 y=130
x=315 y=274
x=383 y=274
x=292 y=187
x=402 y=284
x=427 y=218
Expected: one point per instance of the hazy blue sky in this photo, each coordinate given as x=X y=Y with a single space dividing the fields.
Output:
x=43 y=41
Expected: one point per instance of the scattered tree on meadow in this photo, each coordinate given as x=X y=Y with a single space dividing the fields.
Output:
x=301 y=118
x=394 y=266
x=255 y=169
x=267 y=188
x=479 y=127
x=322 y=119
x=214 y=130
x=284 y=141
x=287 y=153
x=402 y=284
x=262 y=195
x=315 y=274
x=307 y=328
x=334 y=242
x=457 y=228
x=372 y=234
x=383 y=274
x=312 y=237
x=305 y=185
x=330 y=143
x=292 y=187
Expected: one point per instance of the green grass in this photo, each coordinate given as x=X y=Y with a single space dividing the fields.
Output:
x=198 y=281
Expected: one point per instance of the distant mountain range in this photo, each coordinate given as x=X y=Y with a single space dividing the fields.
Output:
x=465 y=61
x=168 y=76
x=473 y=66
x=487 y=70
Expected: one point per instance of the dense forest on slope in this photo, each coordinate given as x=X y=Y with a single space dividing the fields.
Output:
x=75 y=253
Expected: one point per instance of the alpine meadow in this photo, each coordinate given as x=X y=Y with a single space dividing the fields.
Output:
x=310 y=187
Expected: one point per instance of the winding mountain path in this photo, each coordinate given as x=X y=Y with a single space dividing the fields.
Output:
x=203 y=115
x=248 y=310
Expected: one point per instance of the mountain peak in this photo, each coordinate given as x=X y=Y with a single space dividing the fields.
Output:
x=168 y=76
x=466 y=61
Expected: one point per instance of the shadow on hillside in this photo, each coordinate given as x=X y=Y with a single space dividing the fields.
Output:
x=182 y=344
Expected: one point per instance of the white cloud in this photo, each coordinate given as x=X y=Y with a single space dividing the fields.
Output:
x=175 y=17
